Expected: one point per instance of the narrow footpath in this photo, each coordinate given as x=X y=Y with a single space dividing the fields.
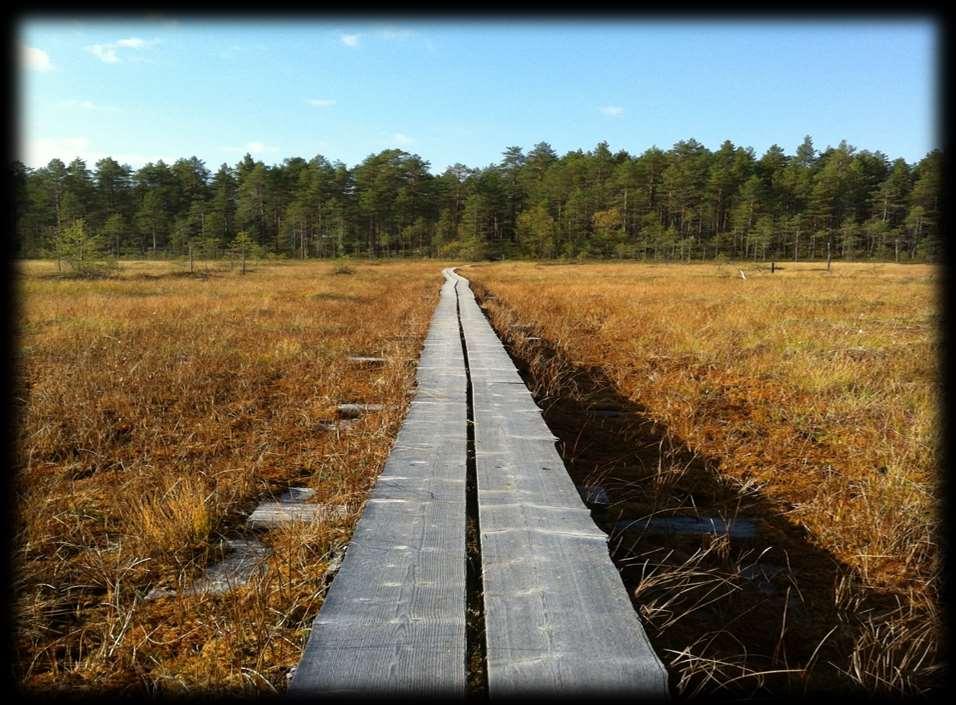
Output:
x=549 y=612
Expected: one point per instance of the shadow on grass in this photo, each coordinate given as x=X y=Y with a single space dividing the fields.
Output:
x=731 y=615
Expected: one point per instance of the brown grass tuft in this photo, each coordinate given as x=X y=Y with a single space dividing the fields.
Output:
x=155 y=411
x=813 y=393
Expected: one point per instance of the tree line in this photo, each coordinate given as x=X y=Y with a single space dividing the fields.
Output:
x=684 y=203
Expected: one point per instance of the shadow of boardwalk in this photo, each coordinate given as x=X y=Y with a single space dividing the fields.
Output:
x=720 y=608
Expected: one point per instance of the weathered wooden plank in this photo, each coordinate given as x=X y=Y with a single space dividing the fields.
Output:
x=393 y=620
x=737 y=529
x=557 y=616
x=292 y=506
x=351 y=411
x=366 y=360
x=296 y=494
x=271 y=514
x=245 y=559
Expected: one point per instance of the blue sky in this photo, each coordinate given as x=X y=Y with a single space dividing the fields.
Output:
x=464 y=90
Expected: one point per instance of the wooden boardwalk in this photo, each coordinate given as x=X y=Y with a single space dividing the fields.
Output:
x=393 y=620
x=557 y=617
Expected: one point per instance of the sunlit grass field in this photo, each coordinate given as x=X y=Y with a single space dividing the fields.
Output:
x=818 y=389
x=155 y=410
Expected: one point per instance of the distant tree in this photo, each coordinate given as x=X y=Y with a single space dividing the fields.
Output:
x=536 y=232
x=82 y=251
x=609 y=238
x=687 y=202
x=849 y=237
x=115 y=232
x=251 y=201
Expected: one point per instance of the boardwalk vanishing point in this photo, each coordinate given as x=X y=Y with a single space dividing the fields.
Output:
x=555 y=616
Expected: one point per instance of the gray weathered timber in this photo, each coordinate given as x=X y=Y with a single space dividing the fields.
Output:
x=342 y=425
x=366 y=360
x=351 y=411
x=271 y=514
x=291 y=506
x=245 y=559
x=393 y=620
x=557 y=616
x=737 y=529
x=292 y=495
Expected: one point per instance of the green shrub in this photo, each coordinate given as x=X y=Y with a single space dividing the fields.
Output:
x=342 y=266
x=85 y=253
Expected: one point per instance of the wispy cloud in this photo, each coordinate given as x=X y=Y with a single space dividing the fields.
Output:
x=612 y=110
x=321 y=102
x=253 y=148
x=86 y=105
x=39 y=151
x=399 y=139
x=350 y=40
x=35 y=59
x=104 y=52
x=107 y=53
x=132 y=43
x=396 y=33
x=229 y=52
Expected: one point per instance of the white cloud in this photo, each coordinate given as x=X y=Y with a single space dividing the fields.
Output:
x=400 y=139
x=107 y=52
x=86 y=105
x=230 y=52
x=104 y=52
x=395 y=33
x=321 y=102
x=39 y=151
x=612 y=110
x=350 y=40
x=253 y=148
x=132 y=43
x=35 y=59
x=138 y=159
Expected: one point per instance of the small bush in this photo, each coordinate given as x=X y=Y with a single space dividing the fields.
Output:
x=83 y=252
x=342 y=266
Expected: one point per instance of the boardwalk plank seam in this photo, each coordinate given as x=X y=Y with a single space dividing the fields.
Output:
x=393 y=620
x=557 y=617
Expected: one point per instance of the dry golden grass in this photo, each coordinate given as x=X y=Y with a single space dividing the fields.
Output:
x=155 y=410
x=818 y=390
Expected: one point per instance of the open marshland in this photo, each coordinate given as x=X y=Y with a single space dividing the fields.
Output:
x=796 y=411
x=801 y=403
x=155 y=410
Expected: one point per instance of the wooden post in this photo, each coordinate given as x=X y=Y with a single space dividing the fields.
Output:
x=771 y=267
x=243 y=270
x=190 y=258
x=828 y=254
